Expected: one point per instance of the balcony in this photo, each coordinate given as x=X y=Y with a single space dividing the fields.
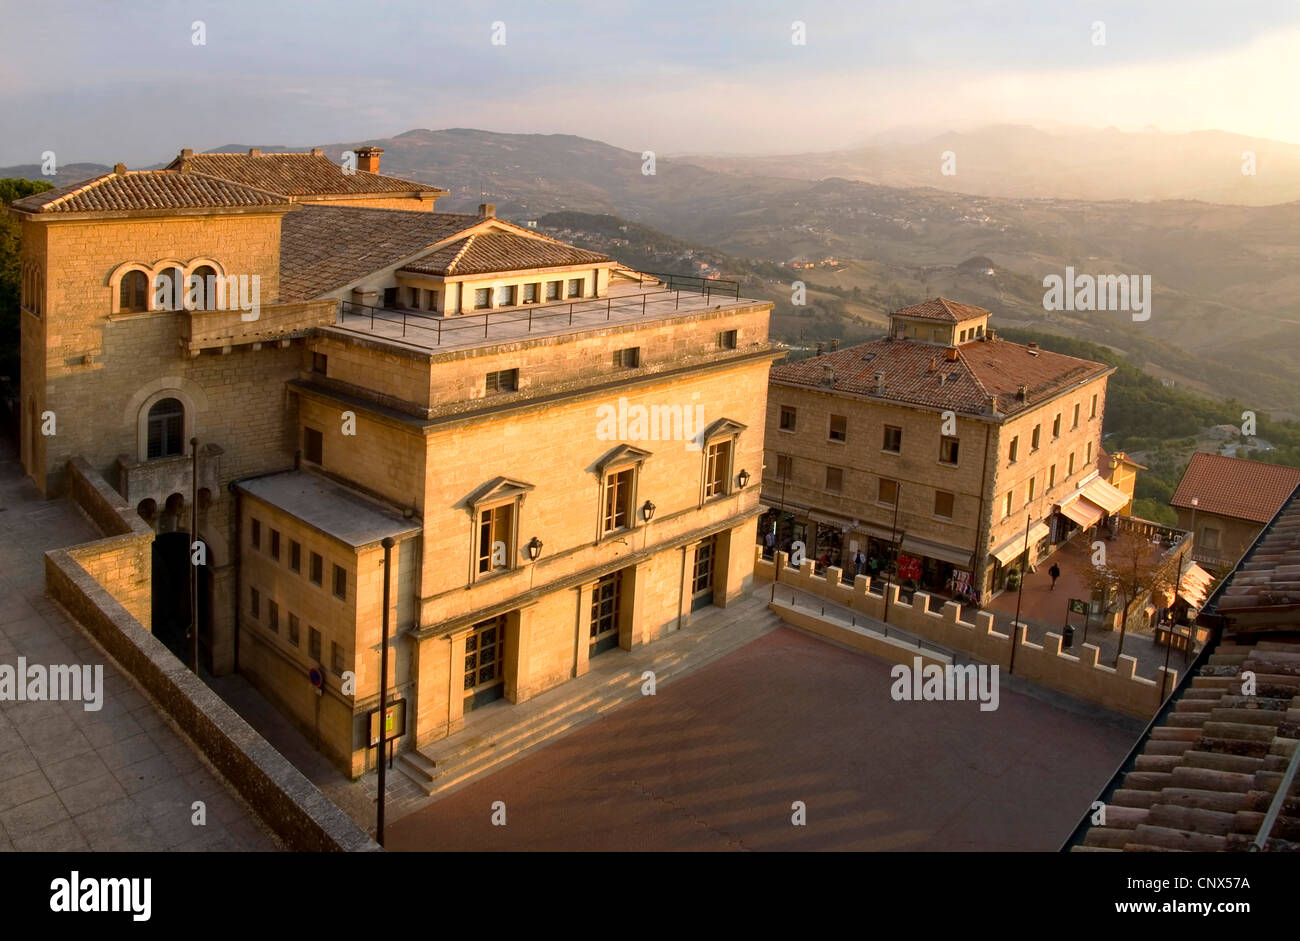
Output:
x=160 y=478
x=224 y=329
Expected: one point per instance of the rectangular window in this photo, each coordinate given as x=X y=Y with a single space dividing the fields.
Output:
x=293 y=629
x=1069 y=469
x=313 y=446
x=1093 y=412
x=494 y=538
x=390 y=297
x=1076 y=417
x=834 y=479
x=552 y=290
x=839 y=428
x=1032 y=482
x=255 y=534
x=893 y=439
x=618 y=500
x=340 y=582
x=430 y=300
x=1006 y=505
x=1033 y=439
x=503 y=380
x=336 y=658
x=295 y=556
x=413 y=301
x=1088 y=459
x=275 y=544
x=943 y=504
x=1051 y=477
x=506 y=295
x=1014 y=451
x=887 y=492
x=317 y=573
x=482 y=298
x=727 y=339
x=1056 y=426
x=273 y=617
x=629 y=358
x=530 y=293
x=255 y=603
x=788 y=416
x=948 y=450
x=1209 y=537
x=717 y=469
x=320 y=363
x=575 y=287
x=313 y=644
x=784 y=467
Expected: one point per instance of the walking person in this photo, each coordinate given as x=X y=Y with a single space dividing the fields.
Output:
x=1055 y=572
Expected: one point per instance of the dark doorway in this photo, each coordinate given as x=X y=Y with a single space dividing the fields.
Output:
x=702 y=574
x=171 y=591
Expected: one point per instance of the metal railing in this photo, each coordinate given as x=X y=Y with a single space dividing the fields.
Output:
x=430 y=329
x=693 y=283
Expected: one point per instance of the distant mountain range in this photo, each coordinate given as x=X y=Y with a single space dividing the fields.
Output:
x=1226 y=278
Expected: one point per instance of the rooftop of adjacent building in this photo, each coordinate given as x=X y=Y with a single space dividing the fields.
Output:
x=1235 y=487
x=329 y=507
x=1268 y=576
x=123 y=190
x=968 y=377
x=300 y=174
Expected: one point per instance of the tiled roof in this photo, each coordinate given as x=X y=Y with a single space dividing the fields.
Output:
x=297 y=174
x=940 y=308
x=1269 y=574
x=921 y=374
x=501 y=251
x=1207 y=774
x=137 y=190
x=1233 y=486
x=326 y=247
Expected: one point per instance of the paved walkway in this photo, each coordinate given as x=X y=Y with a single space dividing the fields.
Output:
x=120 y=778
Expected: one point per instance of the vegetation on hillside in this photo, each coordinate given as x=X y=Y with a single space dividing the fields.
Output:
x=10 y=278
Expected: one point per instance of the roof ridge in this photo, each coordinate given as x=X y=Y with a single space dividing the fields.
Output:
x=469 y=240
x=961 y=355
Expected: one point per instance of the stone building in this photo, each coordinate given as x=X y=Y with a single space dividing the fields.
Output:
x=559 y=447
x=1229 y=500
x=940 y=443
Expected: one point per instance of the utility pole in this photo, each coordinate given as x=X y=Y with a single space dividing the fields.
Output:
x=893 y=532
x=1024 y=565
x=194 y=567
x=388 y=544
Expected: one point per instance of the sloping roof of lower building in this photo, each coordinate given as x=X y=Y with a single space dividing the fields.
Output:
x=297 y=174
x=485 y=252
x=147 y=190
x=1234 y=486
x=941 y=309
x=329 y=507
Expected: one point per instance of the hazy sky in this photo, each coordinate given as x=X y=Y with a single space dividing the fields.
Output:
x=108 y=80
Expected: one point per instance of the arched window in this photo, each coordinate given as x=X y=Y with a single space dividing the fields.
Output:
x=134 y=292
x=166 y=429
x=202 y=290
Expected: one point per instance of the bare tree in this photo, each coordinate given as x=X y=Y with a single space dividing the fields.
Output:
x=1132 y=567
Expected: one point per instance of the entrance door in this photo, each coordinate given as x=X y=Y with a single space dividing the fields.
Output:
x=485 y=660
x=605 y=600
x=171 y=592
x=702 y=574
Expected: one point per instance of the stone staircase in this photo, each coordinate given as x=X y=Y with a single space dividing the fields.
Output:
x=503 y=731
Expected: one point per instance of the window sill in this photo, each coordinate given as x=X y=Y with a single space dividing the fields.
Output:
x=836 y=441
x=947 y=464
x=887 y=451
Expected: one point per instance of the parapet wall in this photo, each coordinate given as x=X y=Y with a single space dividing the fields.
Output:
x=122 y=562
x=1078 y=674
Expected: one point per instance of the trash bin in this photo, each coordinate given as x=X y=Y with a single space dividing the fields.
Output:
x=1069 y=637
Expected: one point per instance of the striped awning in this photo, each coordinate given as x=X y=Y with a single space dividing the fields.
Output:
x=1107 y=496
x=1195 y=584
x=1084 y=512
x=1014 y=547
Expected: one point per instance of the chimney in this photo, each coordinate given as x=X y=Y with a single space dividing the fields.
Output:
x=119 y=169
x=317 y=152
x=1022 y=393
x=880 y=382
x=991 y=403
x=187 y=153
x=835 y=344
x=950 y=354
x=254 y=152
x=934 y=363
x=368 y=158
x=828 y=377
x=487 y=210
x=1033 y=346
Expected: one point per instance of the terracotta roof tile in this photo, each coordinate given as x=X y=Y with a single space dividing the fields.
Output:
x=323 y=248
x=501 y=251
x=138 y=190
x=942 y=309
x=922 y=374
x=1269 y=574
x=1233 y=486
x=297 y=175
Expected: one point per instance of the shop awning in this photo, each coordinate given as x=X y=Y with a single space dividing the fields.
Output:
x=1105 y=495
x=1194 y=586
x=1083 y=512
x=1009 y=551
x=935 y=550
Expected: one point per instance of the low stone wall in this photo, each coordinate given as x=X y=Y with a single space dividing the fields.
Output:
x=1078 y=674
x=122 y=562
x=859 y=638
x=303 y=817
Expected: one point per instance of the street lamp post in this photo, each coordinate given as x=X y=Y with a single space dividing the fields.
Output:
x=388 y=544
x=893 y=532
x=1024 y=564
x=194 y=568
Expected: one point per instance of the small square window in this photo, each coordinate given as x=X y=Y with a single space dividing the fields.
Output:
x=893 y=439
x=413 y=301
x=295 y=556
x=482 y=298
x=788 y=418
x=948 y=449
x=503 y=380
x=320 y=363
x=317 y=569
x=553 y=290
x=313 y=644
x=293 y=629
x=784 y=467
x=629 y=358
x=575 y=287
x=431 y=300
x=887 y=492
x=340 y=582
x=313 y=446
x=506 y=295
x=839 y=428
x=530 y=293
x=943 y=504
x=834 y=479
x=390 y=297
x=727 y=339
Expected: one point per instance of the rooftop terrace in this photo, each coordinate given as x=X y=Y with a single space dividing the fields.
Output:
x=632 y=302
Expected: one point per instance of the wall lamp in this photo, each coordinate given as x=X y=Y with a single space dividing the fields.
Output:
x=648 y=511
x=534 y=549
x=743 y=479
